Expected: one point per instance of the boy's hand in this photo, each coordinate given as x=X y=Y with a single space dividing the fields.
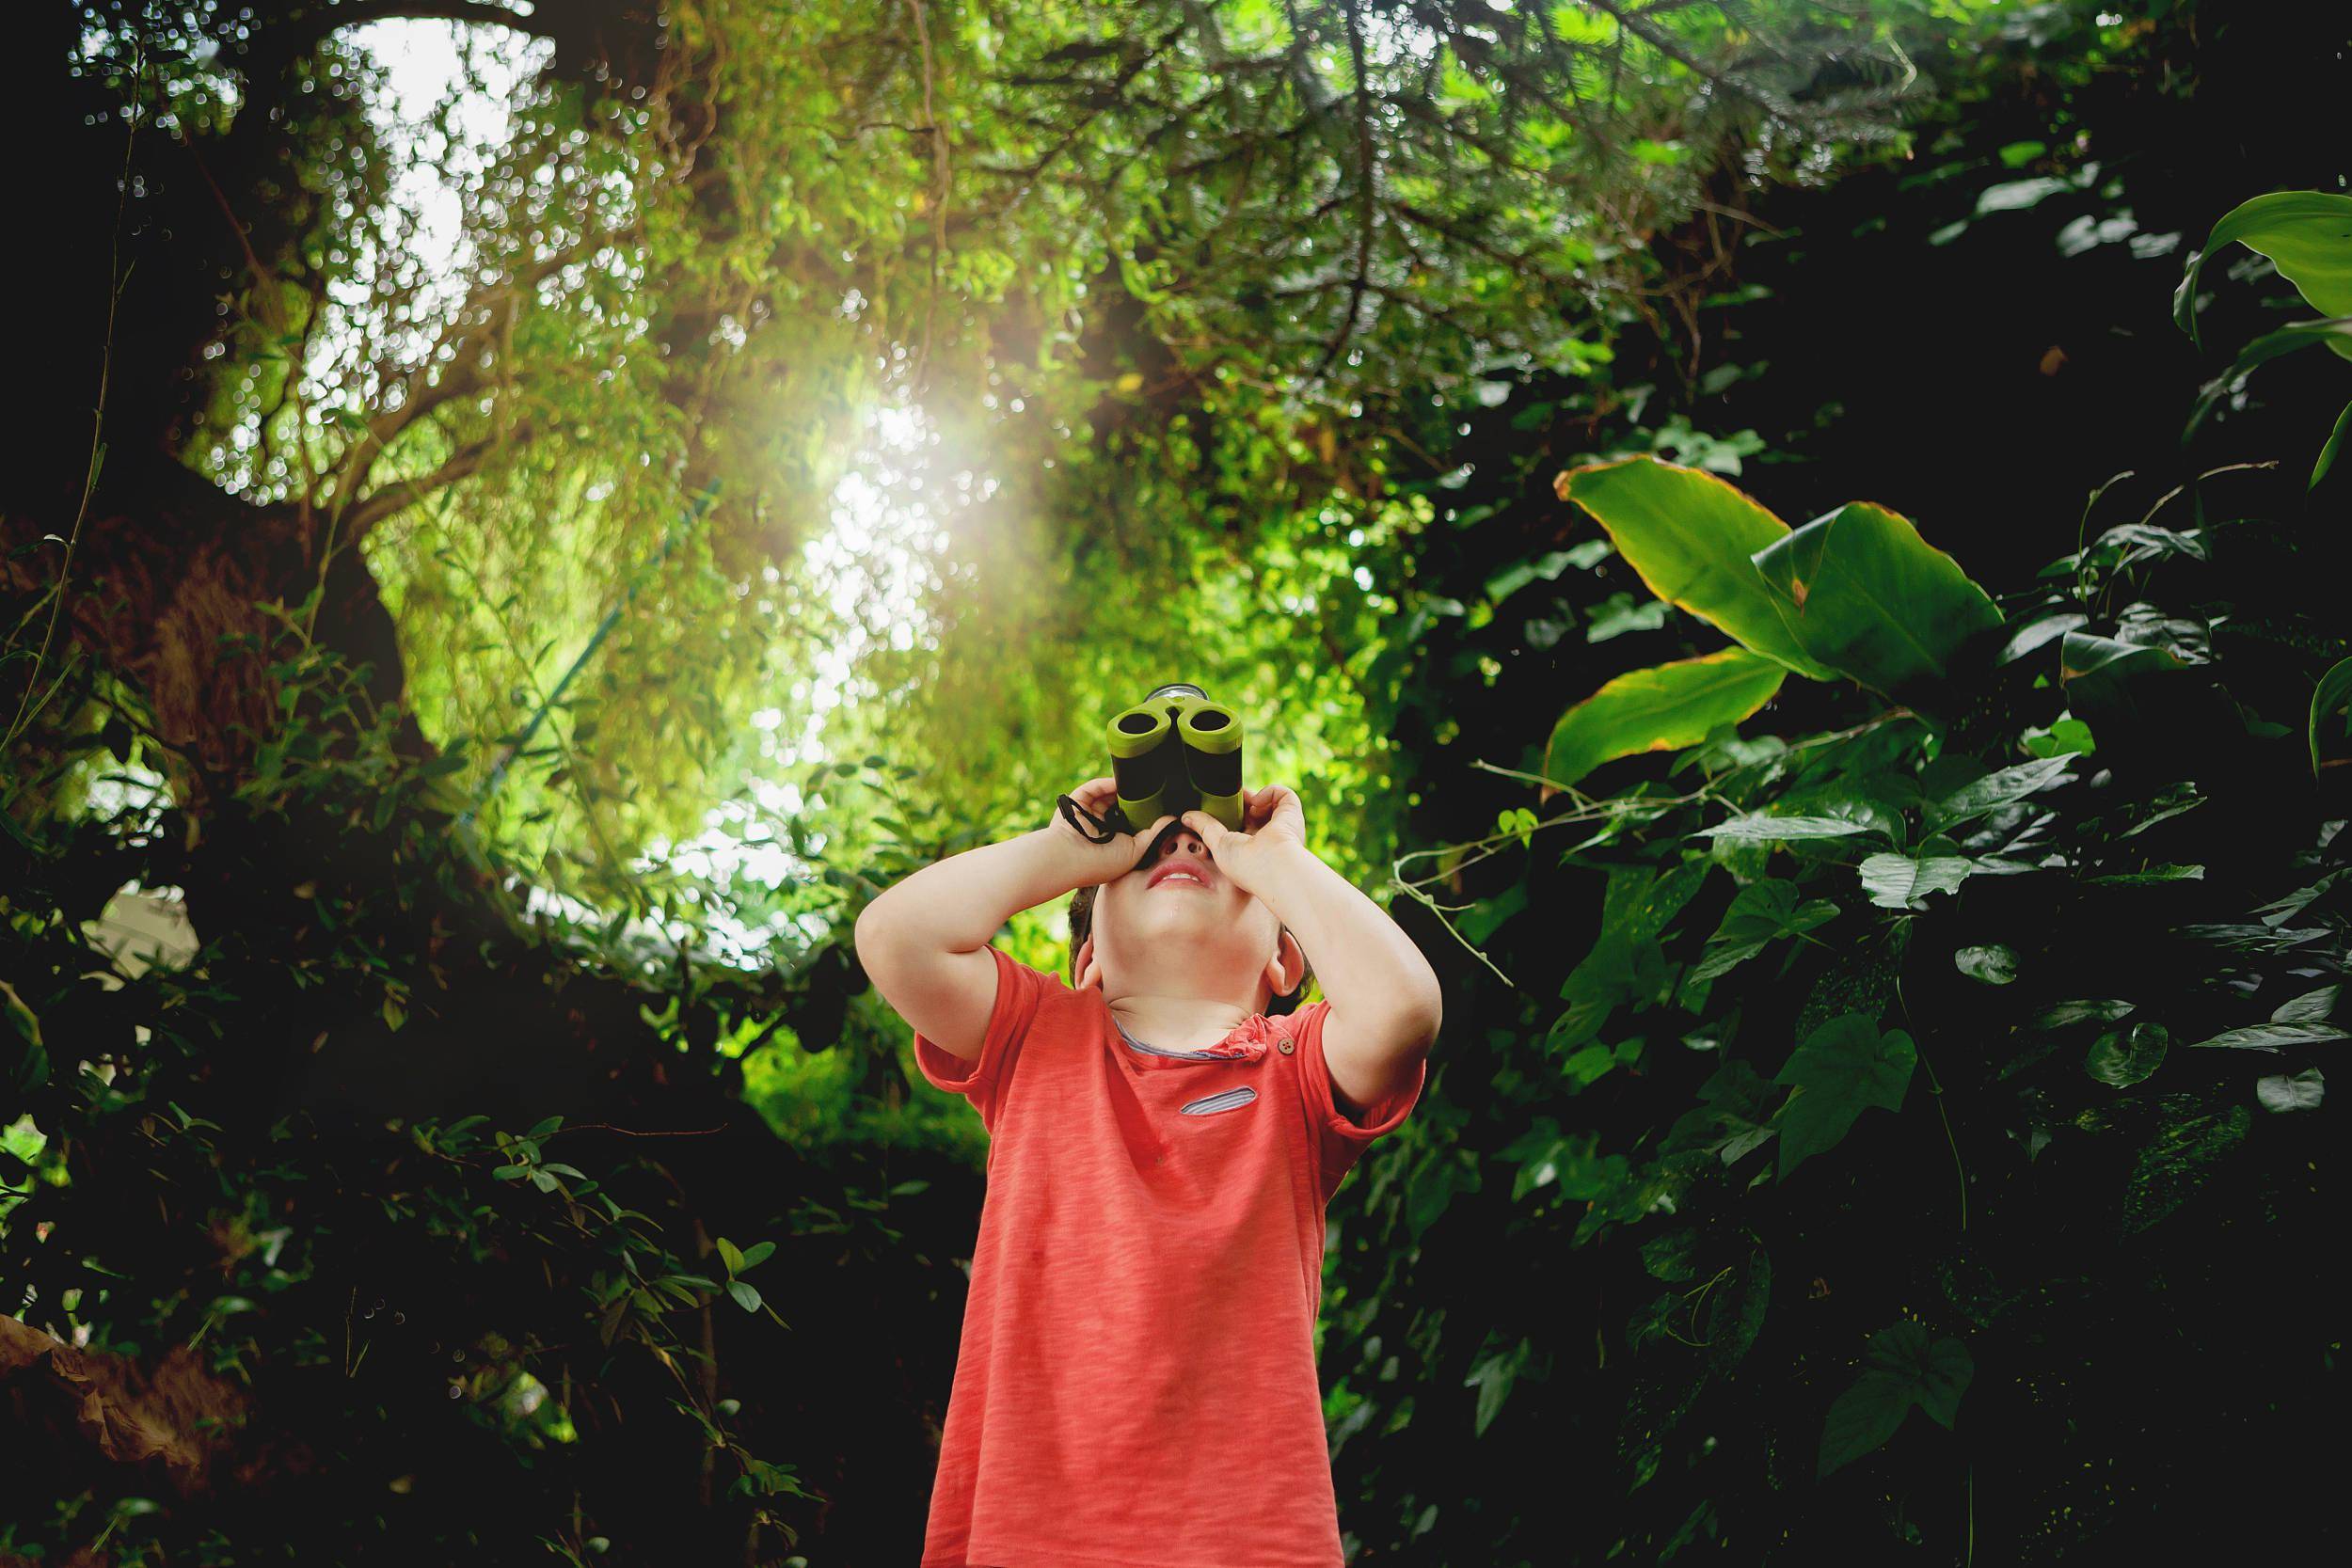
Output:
x=1276 y=823
x=1104 y=862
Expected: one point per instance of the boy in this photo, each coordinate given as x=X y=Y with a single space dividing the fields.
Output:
x=1136 y=1382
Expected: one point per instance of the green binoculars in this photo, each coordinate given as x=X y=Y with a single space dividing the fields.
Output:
x=1176 y=751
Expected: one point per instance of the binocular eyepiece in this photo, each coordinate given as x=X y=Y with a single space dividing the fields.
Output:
x=1176 y=751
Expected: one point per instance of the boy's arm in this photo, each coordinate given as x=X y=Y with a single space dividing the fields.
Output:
x=923 y=941
x=1386 y=1005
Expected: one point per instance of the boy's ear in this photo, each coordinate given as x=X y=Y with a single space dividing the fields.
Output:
x=1288 y=967
x=1082 y=964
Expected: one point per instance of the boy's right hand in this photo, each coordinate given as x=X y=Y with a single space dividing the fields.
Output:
x=1108 y=862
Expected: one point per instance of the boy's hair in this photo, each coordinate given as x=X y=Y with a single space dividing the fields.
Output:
x=1082 y=922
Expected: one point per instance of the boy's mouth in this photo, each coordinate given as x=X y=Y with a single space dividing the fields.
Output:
x=1180 y=876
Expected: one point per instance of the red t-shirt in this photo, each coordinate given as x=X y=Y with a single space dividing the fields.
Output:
x=1135 y=1382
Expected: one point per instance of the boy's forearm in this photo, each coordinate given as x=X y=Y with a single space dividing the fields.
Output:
x=1369 y=969
x=957 y=904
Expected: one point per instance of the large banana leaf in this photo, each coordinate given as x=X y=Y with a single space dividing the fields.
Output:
x=2307 y=235
x=1658 y=709
x=1690 y=536
x=1870 y=600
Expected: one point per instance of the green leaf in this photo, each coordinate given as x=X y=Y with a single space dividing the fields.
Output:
x=731 y=1254
x=1670 y=1256
x=1868 y=597
x=2331 y=716
x=1619 y=614
x=2097 y=1010
x=1896 y=881
x=2002 y=787
x=746 y=1297
x=2169 y=1170
x=1492 y=1377
x=1763 y=826
x=2301 y=1092
x=1760 y=913
x=1691 y=538
x=1843 y=1068
x=1735 y=1312
x=2312 y=1006
x=1658 y=709
x=1995 y=966
x=2334 y=333
x=2123 y=1057
x=2099 y=675
x=2307 y=235
x=2272 y=1037
x=1901 y=1368
x=2327 y=451
x=1588 y=1065
x=2066 y=735
x=757 y=1253
x=2154 y=875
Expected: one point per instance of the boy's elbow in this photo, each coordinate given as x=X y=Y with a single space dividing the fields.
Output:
x=875 y=936
x=1424 y=1014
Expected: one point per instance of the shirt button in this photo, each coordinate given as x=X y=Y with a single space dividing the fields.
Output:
x=1283 y=1045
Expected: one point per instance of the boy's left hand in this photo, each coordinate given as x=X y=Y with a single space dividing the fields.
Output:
x=1275 y=824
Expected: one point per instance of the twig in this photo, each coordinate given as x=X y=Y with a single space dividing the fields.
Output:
x=634 y=1133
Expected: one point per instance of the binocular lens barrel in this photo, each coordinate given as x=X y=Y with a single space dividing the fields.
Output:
x=1175 y=751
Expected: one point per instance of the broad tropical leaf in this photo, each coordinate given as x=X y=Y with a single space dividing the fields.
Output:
x=1692 y=537
x=1658 y=709
x=2307 y=235
x=1870 y=598
x=2331 y=718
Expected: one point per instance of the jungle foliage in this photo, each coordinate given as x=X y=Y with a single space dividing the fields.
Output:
x=1891 y=959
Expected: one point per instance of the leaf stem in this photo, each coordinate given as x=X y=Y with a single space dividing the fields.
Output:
x=1935 y=1086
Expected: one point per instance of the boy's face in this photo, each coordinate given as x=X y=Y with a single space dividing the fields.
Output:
x=1176 y=924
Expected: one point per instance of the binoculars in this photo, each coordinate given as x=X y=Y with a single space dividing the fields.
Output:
x=1176 y=751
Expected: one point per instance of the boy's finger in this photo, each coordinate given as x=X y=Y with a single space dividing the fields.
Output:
x=1212 y=831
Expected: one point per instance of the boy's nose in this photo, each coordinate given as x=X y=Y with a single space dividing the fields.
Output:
x=1182 y=841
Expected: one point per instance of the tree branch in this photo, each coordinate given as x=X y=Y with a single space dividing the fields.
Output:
x=401 y=492
x=1367 y=207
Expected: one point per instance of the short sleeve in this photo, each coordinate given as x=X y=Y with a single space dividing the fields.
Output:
x=1341 y=1139
x=1019 y=991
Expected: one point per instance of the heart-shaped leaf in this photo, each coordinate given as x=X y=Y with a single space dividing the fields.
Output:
x=1843 y=1068
x=1902 y=1367
x=2301 y=1092
x=2123 y=1057
x=1904 y=881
